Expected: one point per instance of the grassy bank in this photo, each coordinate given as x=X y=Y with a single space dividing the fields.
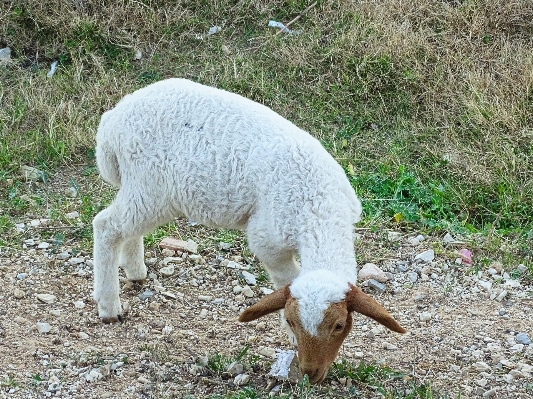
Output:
x=427 y=106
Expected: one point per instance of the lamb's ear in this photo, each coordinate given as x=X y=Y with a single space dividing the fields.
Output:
x=358 y=301
x=268 y=304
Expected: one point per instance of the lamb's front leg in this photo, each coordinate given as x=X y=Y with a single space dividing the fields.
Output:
x=107 y=244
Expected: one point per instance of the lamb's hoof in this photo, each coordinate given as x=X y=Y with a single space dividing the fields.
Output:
x=110 y=320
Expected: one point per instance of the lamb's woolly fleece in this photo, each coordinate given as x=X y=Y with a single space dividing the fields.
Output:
x=178 y=147
x=315 y=291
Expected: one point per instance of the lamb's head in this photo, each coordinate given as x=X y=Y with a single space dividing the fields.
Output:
x=318 y=307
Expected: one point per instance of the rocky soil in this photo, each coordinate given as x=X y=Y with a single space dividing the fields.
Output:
x=468 y=333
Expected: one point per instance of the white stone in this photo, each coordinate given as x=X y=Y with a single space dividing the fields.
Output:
x=249 y=278
x=43 y=328
x=94 y=375
x=79 y=304
x=235 y=368
x=203 y=313
x=72 y=215
x=394 y=236
x=371 y=271
x=486 y=285
x=425 y=316
x=426 y=256
x=46 y=298
x=205 y=298
x=481 y=366
x=237 y=289
x=241 y=379
x=266 y=290
x=76 y=261
x=167 y=271
x=389 y=346
x=247 y=291
x=43 y=245
x=268 y=352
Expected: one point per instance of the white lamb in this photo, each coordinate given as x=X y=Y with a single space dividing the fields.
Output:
x=180 y=148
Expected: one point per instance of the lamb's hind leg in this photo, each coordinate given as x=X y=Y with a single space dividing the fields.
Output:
x=118 y=234
x=132 y=259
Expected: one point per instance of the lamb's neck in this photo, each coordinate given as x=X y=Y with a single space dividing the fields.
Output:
x=332 y=251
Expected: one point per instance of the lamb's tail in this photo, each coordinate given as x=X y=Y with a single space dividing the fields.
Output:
x=107 y=162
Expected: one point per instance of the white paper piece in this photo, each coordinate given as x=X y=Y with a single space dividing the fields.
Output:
x=52 y=69
x=280 y=368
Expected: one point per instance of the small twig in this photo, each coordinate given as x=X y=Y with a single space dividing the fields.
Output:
x=297 y=18
x=286 y=26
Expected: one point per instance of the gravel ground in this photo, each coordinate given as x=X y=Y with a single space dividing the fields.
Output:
x=468 y=330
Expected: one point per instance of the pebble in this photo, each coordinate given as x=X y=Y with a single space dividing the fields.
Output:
x=522 y=338
x=22 y=276
x=79 y=304
x=412 y=276
x=179 y=245
x=145 y=295
x=489 y=393
x=394 y=236
x=46 y=298
x=72 y=215
x=425 y=316
x=18 y=293
x=268 y=352
x=389 y=346
x=377 y=285
x=249 y=278
x=83 y=335
x=241 y=379
x=266 y=291
x=31 y=173
x=521 y=268
x=225 y=246
x=426 y=256
x=247 y=292
x=237 y=289
x=76 y=261
x=166 y=252
x=43 y=245
x=203 y=313
x=448 y=239
x=205 y=298
x=371 y=271
x=167 y=271
x=43 y=328
x=62 y=255
x=481 y=366
x=235 y=368
x=486 y=285
x=402 y=268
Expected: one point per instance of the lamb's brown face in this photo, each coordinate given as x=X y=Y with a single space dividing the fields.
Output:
x=317 y=352
x=319 y=340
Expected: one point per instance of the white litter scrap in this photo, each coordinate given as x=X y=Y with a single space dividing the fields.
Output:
x=280 y=368
x=279 y=25
x=213 y=30
x=5 y=54
x=52 y=70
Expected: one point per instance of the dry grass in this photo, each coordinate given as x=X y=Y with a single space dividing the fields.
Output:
x=442 y=88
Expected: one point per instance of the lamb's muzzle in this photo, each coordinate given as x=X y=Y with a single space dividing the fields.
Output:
x=180 y=148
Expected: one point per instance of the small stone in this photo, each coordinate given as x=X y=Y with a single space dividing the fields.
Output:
x=235 y=368
x=377 y=285
x=203 y=313
x=83 y=335
x=394 y=236
x=426 y=256
x=507 y=364
x=76 y=261
x=145 y=295
x=168 y=252
x=94 y=375
x=511 y=284
x=179 y=245
x=402 y=268
x=501 y=296
x=425 y=316
x=79 y=304
x=486 y=285
x=389 y=346
x=241 y=379
x=420 y=237
x=55 y=312
x=413 y=277
x=71 y=192
x=43 y=245
x=522 y=338
x=268 y=352
x=261 y=326
x=30 y=242
x=481 y=366
x=247 y=292
x=237 y=289
x=18 y=293
x=205 y=298
x=249 y=278
x=5 y=54
x=266 y=290
x=371 y=271
x=22 y=276
x=413 y=241
x=46 y=298
x=167 y=271
x=31 y=173
x=63 y=255
x=197 y=259
x=43 y=328
x=490 y=393
x=448 y=239
x=521 y=268
x=225 y=246
x=72 y=215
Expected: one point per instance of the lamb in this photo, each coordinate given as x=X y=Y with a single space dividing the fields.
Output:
x=180 y=148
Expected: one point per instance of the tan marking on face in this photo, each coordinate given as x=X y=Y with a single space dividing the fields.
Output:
x=317 y=353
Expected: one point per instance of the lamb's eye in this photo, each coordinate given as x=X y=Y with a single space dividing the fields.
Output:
x=339 y=327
